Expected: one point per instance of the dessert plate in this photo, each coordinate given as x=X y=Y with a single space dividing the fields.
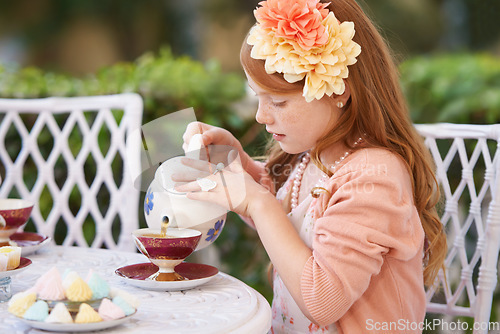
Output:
x=196 y=274
x=93 y=326
x=29 y=242
x=24 y=263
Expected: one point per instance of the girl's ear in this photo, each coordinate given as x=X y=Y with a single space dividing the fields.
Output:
x=342 y=99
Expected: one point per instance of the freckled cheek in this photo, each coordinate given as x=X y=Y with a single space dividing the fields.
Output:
x=291 y=119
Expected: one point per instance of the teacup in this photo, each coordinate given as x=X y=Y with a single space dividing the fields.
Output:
x=162 y=202
x=14 y=213
x=166 y=251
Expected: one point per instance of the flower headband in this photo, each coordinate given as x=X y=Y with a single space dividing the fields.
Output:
x=302 y=38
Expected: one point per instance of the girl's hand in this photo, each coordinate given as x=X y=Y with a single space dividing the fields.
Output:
x=219 y=143
x=233 y=188
x=212 y=135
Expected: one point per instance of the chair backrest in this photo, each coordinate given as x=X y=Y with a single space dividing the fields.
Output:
x=467 y=161
x=70 y=157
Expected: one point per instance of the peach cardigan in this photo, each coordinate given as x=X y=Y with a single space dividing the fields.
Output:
x=366 y=269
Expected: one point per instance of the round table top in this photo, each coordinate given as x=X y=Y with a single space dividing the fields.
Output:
x=222 y=305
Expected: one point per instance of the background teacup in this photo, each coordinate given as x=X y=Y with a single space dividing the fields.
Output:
x=14 y=214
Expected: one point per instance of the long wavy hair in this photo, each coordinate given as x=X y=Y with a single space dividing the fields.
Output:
x=377 y=108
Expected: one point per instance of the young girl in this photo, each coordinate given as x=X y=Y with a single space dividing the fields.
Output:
x=344 y=204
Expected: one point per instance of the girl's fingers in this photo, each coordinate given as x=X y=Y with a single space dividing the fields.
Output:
x=211 y=135
x=199 y=196
x=196 y=186
x=187 y=187
x=188 y=176
x=193 y=129
x=200 y=165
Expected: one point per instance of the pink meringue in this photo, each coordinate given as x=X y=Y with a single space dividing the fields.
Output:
x=109 y=311
x=49 y=286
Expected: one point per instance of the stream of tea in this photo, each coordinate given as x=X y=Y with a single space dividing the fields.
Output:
x=164 y=227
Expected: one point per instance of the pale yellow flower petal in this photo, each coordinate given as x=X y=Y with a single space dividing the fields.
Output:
x=347 y=31
x=320 y=69
x=291 y=78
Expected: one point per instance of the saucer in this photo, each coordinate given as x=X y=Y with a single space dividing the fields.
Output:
x=74 y=327
x=29 y=242
x=24 y=263
x=196 y=274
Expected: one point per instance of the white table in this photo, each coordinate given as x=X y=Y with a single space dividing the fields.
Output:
x=223 y=305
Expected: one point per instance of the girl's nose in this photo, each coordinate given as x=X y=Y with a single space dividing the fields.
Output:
x=263 y=115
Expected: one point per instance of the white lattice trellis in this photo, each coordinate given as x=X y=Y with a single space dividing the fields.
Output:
x=467 y=159
x=88 y=141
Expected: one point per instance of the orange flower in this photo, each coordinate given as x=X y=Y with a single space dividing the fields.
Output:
x=324 y=67
x=298 y=20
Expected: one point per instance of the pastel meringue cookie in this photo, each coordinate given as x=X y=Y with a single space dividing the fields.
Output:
x=22 y=294
x=87 y=314
x=68 y=278
x=40 y=282
x=39 y=311
x=51 y=273
x=126 y=307
x=110 y=311
x=100 y=288
x=59 y=315
x=31 y=290
x=20 y=302
x=79 y=291
x=49 y=286
x=129 y=298
x=14 y=256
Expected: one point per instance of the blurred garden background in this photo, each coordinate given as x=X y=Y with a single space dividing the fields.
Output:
x=179 y=54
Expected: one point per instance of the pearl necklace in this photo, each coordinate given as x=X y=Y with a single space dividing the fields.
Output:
x=297 y=180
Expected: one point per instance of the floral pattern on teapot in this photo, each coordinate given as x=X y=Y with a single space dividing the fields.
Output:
x=213 y=233
x=148 y=201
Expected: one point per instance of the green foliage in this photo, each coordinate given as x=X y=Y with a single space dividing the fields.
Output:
x=166 y=83
x=458 y=88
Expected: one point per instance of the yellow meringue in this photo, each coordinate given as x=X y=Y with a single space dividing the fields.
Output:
x=21 y=303
x=79 y=291
x=87 y=314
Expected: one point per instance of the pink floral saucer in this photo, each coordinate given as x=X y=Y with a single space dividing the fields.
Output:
x=29 y=242
x=196 y=274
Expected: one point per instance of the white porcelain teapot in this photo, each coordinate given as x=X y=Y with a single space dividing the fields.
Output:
x=162 y=202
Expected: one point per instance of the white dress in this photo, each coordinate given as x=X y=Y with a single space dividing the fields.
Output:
x=287 y=316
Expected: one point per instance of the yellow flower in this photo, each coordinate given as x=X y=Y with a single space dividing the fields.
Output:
x=324 y=67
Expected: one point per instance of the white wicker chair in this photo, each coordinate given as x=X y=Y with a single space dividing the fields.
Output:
x=467 y=158
x=65 y=150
